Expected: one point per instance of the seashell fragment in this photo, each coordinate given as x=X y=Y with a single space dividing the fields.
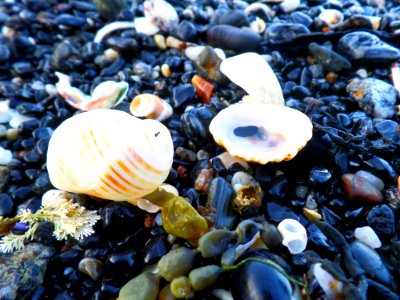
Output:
x=145 y=26
x=109 y=154
x=260 y=132
x=112 y=27
x=204 y=88
x=332 y=17
x=294 y=235
x=106 y=95
x=252 y=73
x=331 y=286
x=151 y=107
x=161 y=13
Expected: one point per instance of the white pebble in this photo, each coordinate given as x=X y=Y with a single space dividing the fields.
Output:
x=17 y=119
x=5 y=115
x=290 y=5
x=368 y=236
x=294 y=235
x=145 y=26
x=5 y=156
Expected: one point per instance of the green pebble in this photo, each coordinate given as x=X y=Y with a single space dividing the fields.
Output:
x=215 y=242
x=181 y=288
x=142 y=287
x=202 y=278
x=177 y=262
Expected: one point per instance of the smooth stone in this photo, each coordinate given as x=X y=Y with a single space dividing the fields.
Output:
x=42 y=132
x=359 y=189
x=330 y=60
x=23 y=271
x=4 y=53
x=4 y=177
x=26 y=127
x=375 y=181
x=28 y=143
x=374 y=96
x=319 y=175
x=30 y=109
x=42 y=184
x=233 y=38
x=380 y=166
x=5 y=156
x=278 y=33
x=183 y=94
x=366 y=47
x=234 y=17
x=277 y=212
x=186 y=31
x=195 y=124
x=109 y=9
x=382 y=220
x=70 y=21
x=91 y=267
x=124 y=264
x=124 y=45
x=388 y=129
x=42 y=146
x=301 y=18
x=368 y=236
x=279 y=188
x=154 y=249
x=371 y=263
x=22 y=68
x=6 y=205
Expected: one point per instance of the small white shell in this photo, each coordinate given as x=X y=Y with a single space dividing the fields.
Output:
x=252 y=73
x=161 y=13
x=332 y=287
x=368 y=236
x=112 y=27
x=109 y=154
x=332 y=17
x=261 y=133
x=151 y=107
x=294 y=235
x=145 y=26
x=106 y=95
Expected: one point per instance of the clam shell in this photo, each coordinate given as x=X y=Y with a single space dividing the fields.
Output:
x=261 y=133
x=109 y=154
x=151 y=107
x=252 y=73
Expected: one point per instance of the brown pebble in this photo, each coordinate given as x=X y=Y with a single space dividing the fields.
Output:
x=359 y=189
x=183 y=172
x=203 y=181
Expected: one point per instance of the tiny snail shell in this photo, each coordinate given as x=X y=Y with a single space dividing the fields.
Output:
x=109 y=154
x=294 y=235
x=151 y=107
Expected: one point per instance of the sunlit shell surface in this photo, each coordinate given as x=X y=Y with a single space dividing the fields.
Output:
x=151 y=107
x=252 y=73
x=261 y=133
x=161 y=13
x=109 y=154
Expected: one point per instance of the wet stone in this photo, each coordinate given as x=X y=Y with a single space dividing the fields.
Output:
x=359 y=189
x=23 y=271
x=374 y=96
x=22 y=68
x=4 y=176
x=91 y=267
x=367 y=48
x=278 y=212
x=388 y=129
x=281 y=33
x=155 y=248
x=319 y=176
x=6 y=205
x=124 y=45
x=4 y=53
x=186 y=31
x=183 y=94
x=70 y=21
x=30 y=109
x=26 y=127
x=330 y=60
x=382 y=220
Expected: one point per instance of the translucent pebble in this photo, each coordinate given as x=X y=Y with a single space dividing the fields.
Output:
x=368 y=236
x=180 y=287
x=182 y=220
x=176 y=263
x=203 y=277
x=144 y=286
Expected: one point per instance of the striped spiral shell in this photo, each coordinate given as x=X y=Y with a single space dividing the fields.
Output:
x=109 y=154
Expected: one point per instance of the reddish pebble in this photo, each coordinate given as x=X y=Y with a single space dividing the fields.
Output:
x=183 y=172
x=204 y=88
x=149 y=221
x=359 y=189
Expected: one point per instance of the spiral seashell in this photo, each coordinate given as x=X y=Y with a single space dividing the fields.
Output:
x=151 y=107
x=109 y=154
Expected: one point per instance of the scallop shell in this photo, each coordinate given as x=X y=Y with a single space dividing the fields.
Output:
x=109 y=154
x=151 y=107
x=261 y=133
x=252 y=73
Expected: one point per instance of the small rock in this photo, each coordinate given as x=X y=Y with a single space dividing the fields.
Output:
x=359 y=189
x=22 y=272
x=4 y=175
x=279 y=32
x=375 y=181
x=382 y=220
x=91 y=267
x=388 y=129
x=319 y=176
x=366 y=47
x=186 y=31
x=374 y=96
x=124 y=45
x=5 y=156
x=182 y=94
x=368 y=236
x=330 y=60
x=6 y=205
